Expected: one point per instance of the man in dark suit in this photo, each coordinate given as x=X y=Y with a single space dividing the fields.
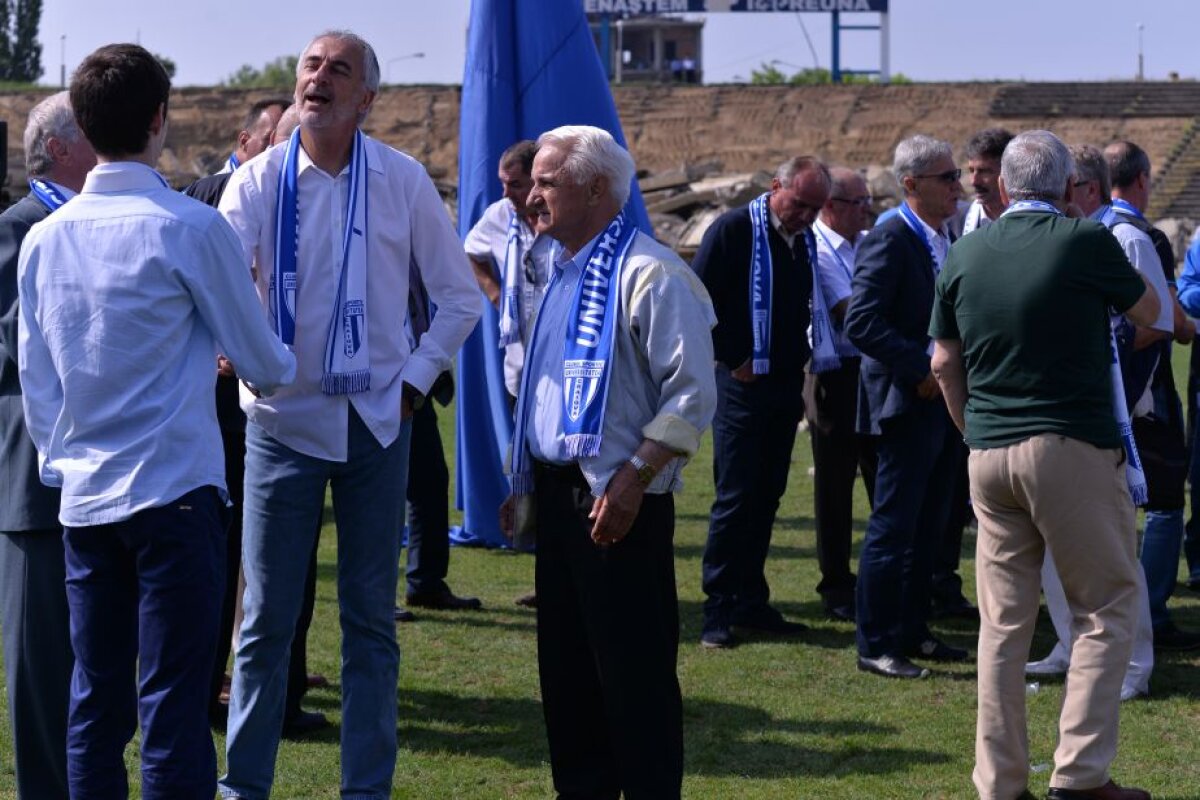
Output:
x=760 y=383
x=37 y=644
x=899 y=402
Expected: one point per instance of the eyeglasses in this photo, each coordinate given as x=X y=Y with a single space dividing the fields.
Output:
x=862 y=202
x=949 y=176
x=1077 y=184
x=530 y=272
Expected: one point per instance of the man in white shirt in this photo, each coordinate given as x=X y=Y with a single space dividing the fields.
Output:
x=984 y=150
x=830 y=397
x=124 y=294
x=602 y=472
x=335 y=286
x=505 y=233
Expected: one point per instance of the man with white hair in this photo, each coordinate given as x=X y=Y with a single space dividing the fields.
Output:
x=616 y=391
x=898 y=403
x=37 y=645
x=1047 y=465
x=368 y=213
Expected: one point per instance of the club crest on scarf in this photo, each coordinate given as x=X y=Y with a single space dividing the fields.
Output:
x=352 y=323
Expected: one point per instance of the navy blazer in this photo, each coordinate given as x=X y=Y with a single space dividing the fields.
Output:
x=25 y=504
x=891 y=300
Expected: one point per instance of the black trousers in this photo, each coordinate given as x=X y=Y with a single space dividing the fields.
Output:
x=753 y=433
x=839 y=454
x=428 y=507
x=608 y=640
x=947 y=583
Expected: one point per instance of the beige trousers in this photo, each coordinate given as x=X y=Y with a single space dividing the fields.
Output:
x=1057 y=493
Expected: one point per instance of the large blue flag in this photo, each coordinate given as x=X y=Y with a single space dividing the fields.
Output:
x=531 y=66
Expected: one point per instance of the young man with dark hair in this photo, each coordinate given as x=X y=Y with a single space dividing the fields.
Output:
x=124 y=294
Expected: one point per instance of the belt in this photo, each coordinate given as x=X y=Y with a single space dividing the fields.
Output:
x=569 y=474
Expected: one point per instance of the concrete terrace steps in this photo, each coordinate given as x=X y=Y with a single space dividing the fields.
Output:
x=1108 y=99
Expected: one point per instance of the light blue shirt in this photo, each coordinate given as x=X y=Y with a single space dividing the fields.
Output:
x=662 y=387
x=124 y=294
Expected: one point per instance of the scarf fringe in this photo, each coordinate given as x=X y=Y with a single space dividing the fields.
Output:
x=825 y=363
x=1140 y=494
x=522 y=483
x=346 y=382
x=761 y=366
x=583 y=445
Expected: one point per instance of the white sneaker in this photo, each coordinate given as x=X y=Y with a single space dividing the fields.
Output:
x=1051 y=665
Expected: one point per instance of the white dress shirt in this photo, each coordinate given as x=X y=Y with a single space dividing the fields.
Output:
x=976 y=218
x=1141 y=253
x=662 y=386
x=835 y=267
x=406 y=222
x=125 y=292
x=488 y=241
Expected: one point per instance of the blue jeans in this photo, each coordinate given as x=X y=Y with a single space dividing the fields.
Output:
x=285 y=492
x=1160 y=560
x=145 y=601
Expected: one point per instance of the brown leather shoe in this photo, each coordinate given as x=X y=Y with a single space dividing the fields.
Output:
x=1109 y=791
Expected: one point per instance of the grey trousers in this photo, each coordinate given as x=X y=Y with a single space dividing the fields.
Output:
x=37 y=659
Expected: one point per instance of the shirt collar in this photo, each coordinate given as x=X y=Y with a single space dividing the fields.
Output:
x=777 y=224
x=930 y=232
x=304 y=162
x=579 y=259
x=122 y=176
x=836 y=239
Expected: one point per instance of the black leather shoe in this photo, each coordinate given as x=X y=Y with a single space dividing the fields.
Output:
x=718 y=639
x=445 y=601
x=933 y=649
x=1168 y=637
x=843 y=613
x=402 y=614
x=962 y=609
x=527 y=600
x=1109 y=791
x=892 y=667
x=303 y=723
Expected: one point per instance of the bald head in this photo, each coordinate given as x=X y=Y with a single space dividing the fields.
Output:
x=288 y=122
x=845 y=212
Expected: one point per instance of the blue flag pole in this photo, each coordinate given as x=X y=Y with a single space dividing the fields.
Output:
x=531 y=66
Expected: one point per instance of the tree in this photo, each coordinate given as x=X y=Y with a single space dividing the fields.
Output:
x=770 y=75
x=25 y=56
x=168 y=65
x=277 y=74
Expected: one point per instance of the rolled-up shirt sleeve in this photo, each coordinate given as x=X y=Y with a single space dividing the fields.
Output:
x=671 y=317
x=451 y=285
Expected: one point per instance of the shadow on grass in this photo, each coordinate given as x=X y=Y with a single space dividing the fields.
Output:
x=720 y=739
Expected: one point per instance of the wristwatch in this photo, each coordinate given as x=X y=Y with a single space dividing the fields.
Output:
x=645 y=471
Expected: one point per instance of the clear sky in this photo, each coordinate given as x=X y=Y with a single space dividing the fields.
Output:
x=936 y=40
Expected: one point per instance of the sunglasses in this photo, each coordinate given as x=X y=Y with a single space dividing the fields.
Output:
x=949 y=176
x=530 y=272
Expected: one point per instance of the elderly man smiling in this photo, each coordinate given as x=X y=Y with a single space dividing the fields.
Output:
x=617 y=388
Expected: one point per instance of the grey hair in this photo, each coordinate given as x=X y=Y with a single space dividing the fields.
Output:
x=916 y=154
x=1090 y=165
x=789 y=169
x=1036 y=166
x=370 y=61
x=52 y=117
x=592 y=152
x=842 y=177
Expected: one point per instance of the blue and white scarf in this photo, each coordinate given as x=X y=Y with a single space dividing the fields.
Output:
x=347 y=351
x=232 y=164
x=510 y=302
x=47 y=194
x=1135 y=477
x=825 y=355
x=1125 y=207
x=587 y=354
x=918 y=227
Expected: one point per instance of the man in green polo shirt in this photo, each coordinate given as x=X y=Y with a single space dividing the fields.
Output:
x=1023 y=355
